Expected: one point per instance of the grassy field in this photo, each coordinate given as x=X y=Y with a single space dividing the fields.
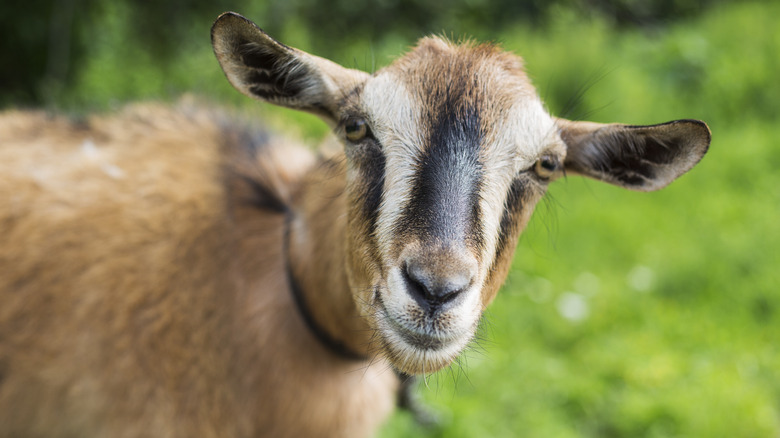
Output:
x=626 y=314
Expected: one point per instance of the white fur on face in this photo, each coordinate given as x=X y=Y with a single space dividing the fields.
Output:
x=394 y=117
x=518 y=140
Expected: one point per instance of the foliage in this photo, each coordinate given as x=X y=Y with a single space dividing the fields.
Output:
x=626 y=314
x=46 y=42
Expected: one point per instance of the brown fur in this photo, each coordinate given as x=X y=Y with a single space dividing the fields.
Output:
x=148 y=298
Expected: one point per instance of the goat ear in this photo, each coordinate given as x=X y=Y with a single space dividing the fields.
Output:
x=265 y=69
x=642 y=158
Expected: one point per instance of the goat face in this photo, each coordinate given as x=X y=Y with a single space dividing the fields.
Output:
x=455 y=135
x=448 y=151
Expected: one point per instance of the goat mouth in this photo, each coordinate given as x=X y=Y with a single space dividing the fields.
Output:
x=414 y=350
x=417 y=339
x=421 y=335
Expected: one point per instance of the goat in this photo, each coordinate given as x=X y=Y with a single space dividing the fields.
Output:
x=170 y=272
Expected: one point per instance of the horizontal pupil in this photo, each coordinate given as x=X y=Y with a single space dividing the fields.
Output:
x=354 y=127
x=548 y=164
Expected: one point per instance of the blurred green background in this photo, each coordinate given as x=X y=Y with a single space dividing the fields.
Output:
x=626 y=314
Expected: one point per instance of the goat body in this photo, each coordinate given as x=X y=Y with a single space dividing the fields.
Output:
x=143 y=291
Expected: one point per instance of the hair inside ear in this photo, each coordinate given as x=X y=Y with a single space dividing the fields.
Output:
x=636 y=157
x=258 y=65
x=265 y=69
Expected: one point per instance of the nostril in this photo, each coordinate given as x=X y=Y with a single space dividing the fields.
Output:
x=414 y=283
x=434 y=288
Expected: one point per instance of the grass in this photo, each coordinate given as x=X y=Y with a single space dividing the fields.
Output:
x=625 y=314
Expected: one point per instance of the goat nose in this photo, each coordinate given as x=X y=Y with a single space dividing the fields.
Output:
x=435 y=286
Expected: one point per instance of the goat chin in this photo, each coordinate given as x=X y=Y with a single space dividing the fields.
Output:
x=415 y=360
x=418 y=352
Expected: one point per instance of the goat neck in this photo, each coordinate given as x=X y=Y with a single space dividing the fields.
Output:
x=317 y=262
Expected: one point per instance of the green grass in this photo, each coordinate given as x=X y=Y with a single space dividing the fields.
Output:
x=681 y=337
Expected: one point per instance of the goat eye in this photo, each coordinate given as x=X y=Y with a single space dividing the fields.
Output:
x=546 y=166
x=356 y=129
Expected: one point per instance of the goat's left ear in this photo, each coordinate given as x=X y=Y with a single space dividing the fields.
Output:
x=642 y=158
x=265 y=69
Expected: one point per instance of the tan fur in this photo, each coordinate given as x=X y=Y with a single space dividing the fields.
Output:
x=146 y=301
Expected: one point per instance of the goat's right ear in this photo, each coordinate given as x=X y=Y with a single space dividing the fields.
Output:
x=265 y=69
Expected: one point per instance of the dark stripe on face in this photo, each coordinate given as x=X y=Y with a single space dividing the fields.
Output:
x=509 y=227
x=370 y=163
x=444 y=202
x=510 y=217
x=374 y=174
